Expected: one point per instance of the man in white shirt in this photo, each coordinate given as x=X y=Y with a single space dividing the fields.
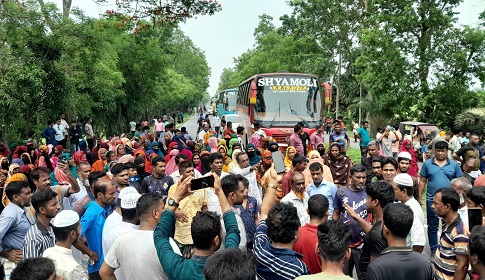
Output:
x=83 y=169
x=140 y=261
x=403 y=185
x=298 y=197
x=62 y=116
x=216 y=122
x=204 y=131
x=176 y=174
x=249 y=172
x=67 y=229
x=60 y=133
x=132 y=127
x=129 y=222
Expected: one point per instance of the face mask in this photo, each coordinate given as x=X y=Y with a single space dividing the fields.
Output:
x=252 y=153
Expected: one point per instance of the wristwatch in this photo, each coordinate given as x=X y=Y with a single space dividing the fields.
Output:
x=172 y=202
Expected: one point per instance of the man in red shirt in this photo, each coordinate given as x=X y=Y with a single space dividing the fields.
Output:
x=307 y=234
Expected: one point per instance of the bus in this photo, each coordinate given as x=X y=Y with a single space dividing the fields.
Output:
x=226 y=102
x=278 y=101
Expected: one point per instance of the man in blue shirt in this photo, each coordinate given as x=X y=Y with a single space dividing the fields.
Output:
x=437 y=172
x=92 y=222
x=320 y=186
x=14 y=223
x=339 y=136
x=364 y=138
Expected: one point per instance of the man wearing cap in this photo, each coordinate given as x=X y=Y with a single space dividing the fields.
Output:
x=403 y=185
x=67 y=229
x=40 y=235
x=93 y=220
x=129 y=222
x=404 y=163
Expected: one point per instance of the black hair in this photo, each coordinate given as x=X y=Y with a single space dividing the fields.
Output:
x=298 y=159
x=238 y=156
x=476 y=243
x=180 y=156
x=315 y=166
x=183 y=129
x=229 y=124
x=441 y=145
x=235 y=144
x=230 y=264
x=357 y=169
x=477 y=195
x=41 y=197
x=15 y=188
x=95 y=176
x=184 y=165
x=451 y=197
x=364 y=122
x=157 y=159
x=336 y=122
x=131 y=165
x=381 y=191
x=214 y=156
x=35 y=174
x=100 y=186
x=398 y=218
x=239 y=129
x=118 y=168
x=128 y=214
x=283 y=222
x=297 y=128
x=245 y=182
x=399 y=159
x=109 y=154
x=317 y=206
x=31 y=133
x=230 y=183
x=62 y=233
x=33 y=269
x=147 y=202
x=409 y=189
x=457 y=130
x=390 y=160
x=333 y=240
x=257 y=125
x=378 y=159
x=205 y=227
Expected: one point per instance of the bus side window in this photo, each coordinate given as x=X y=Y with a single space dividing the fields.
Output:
x=260 y=105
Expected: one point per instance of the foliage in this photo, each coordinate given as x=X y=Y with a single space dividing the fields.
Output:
x=113 y=69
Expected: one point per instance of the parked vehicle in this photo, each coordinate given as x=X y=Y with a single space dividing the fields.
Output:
x=417 y=132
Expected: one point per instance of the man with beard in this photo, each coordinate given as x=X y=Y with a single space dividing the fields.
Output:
x=40 y=235
x=373 y=150
x=376 y=174
x=403 y=162
x=320 y=186
x=469 y=157
x=299 y=163
x=355 y=196
x=67 y=229
x=389 y=169
x=14 y=223
x=298 y=197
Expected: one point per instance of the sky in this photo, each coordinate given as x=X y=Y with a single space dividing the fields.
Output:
x=229 y=33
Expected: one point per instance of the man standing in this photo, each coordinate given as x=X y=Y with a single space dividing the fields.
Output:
x=93 y=220
x=403 y=163
x=40 y=235
x=60 y=133
x=159 y=181
x=140 y=261
x=436 y=173
x=159 y=128
x=320 y=186
x=295 y=140
x=364 y=138
x=355 y=196
x=67 y=229
x=451 y=260
x=318 y=136
x=387 y=141
x=379 y=195
x=397 y=221
x=258 y=131
x=74 y=134
x=455 y=144
x=469 y=157
x=307 y=234
x=90 y=136
x=403 y=190
x=49 y=134
x=204 y=131
x=298 y=197
x=190 y=205
x=120 y=173
x=249 y=172
x=396 y=137
x=339 y=136
x=373 y=150
x=299 y=163
x=14 y=223
x=132 y=125
x=216 y=121
x=355 y=129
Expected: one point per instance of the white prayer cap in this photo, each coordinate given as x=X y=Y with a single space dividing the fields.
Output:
x=404 y=179
x=129 y=200
x=125 y=191
x=65 y=218
x=404 y=155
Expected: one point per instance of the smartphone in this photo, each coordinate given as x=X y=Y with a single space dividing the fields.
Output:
x=202 y=182
x=474 y=217
x=63 y=158
x=279 y=164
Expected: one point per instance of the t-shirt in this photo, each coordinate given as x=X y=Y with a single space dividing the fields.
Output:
x=307 y=240
x=132 y=126
x=324 y=275
x=60 y=131
x=374 y=244
x=439 y=177
x=386 y=146
x=159 y=126
x=159 y=185
x=296 y=142
x=247 y=215
x=358 y=201
x=89 y=131
x=136 y=262
x=364 y=134
x=216 y=121
x=411 y=265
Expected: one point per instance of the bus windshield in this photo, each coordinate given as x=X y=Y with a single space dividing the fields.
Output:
x=287 y=100
x=231 y=101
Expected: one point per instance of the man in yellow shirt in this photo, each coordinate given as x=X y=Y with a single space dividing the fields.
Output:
x=187 y=209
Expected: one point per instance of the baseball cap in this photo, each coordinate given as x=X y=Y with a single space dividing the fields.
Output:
x=403 y=179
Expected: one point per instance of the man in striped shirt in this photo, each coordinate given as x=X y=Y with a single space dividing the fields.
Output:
x=451 y=259
x=40 y=235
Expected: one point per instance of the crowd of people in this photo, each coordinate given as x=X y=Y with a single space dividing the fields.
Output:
x=155 y=203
